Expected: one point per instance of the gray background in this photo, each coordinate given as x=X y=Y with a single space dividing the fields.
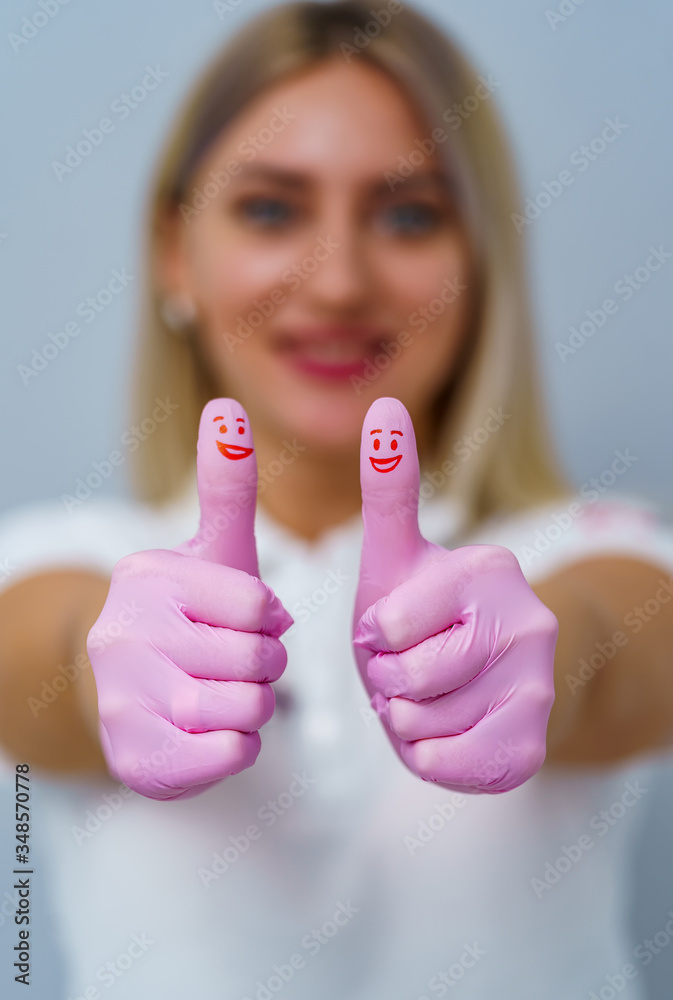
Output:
x=59 y=241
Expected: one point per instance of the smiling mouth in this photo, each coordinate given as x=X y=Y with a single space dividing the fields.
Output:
x=233 y=451
x=385 y=464
x=332 y=353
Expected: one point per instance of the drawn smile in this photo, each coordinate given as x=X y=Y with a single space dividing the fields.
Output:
x=233 y=451
x=385 y=464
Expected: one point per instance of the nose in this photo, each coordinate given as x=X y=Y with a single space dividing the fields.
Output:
x=341 y=283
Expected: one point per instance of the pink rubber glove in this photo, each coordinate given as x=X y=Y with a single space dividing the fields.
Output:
x=454 y=648
x=184 y=687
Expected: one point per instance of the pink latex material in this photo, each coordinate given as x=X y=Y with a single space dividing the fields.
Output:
x=188 y=642
x=453 y=647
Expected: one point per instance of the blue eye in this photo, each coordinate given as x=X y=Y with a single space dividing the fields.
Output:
x=266 y=211
x=413 y=219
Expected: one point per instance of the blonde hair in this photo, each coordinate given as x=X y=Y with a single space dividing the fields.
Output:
x=513 y=468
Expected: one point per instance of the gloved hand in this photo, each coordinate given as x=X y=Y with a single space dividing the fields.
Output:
x=184 y=687
x=453 y=647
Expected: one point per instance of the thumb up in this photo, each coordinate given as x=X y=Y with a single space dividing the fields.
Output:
x=455 y=650
x=226 y=479
x=187 y=642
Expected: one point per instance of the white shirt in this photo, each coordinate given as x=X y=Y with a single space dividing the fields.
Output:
x=328 y=870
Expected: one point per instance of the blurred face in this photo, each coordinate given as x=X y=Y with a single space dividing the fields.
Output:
x=321 y=279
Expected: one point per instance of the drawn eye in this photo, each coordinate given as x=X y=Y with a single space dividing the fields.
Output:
x=377 y=444
x=223 y=429
x=241 y=430
x=393 y=444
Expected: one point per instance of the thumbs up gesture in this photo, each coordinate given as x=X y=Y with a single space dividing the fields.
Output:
x=453 y=647
x=183 y=687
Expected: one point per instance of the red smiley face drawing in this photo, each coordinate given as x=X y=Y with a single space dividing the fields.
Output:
x=232 y=451
x=385 y=464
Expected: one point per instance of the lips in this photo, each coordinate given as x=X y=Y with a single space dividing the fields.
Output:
x=233 y=451
x=385 y=464
x=331 y=352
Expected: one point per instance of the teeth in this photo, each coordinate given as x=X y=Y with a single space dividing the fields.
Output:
x=335 y=351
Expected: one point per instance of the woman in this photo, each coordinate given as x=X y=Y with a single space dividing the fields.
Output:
x=323 y=235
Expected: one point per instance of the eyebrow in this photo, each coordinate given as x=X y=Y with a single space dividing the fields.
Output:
x=376 y=431
x=297 y=179
x=215 y=419
x=241 y=419
x=397 y=432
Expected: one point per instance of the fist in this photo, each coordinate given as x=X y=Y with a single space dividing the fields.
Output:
x=453 y=647
x=185 y=685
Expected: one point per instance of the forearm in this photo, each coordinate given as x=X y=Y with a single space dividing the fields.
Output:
x=48 y=711
x=614 y=696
